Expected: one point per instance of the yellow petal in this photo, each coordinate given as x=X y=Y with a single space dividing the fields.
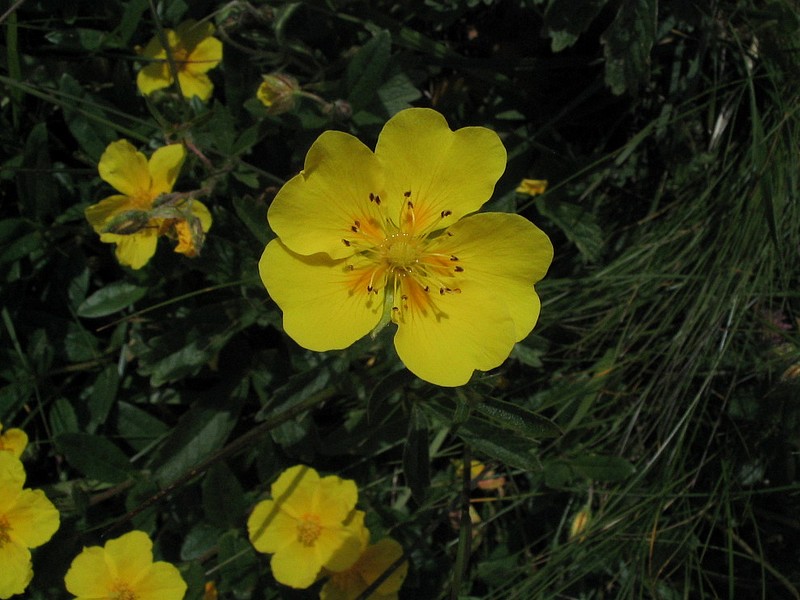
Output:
x=162 y=581
x=296 y=565
x=89 y=575
x=129 y=555
x=152 y=77
x=136 y=249
x=295 y=489
x=154 y=49
x=99 y=214
x=335 y=499
x=338 y=548
x=164 y=167
x=12 y=473
x=269 y=528
x=379 y=557
x=16 y=572
x=14 y=441
x=122 y=166
x=323 y=306
x=205 y=56
x=33 y=518
x=190 y=33
x=195 y=84
x=459 y=333
x=201 y=211
x=315 y=210
x=504 y=253
x=449 y=174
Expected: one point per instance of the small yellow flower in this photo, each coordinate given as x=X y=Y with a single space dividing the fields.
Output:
x=123 y=569
x=13 y=441
x=27 y=520
x=366 y=238
x=307 y=525
x=532 y=187
x=134 y=219
x=278 y=93
x=210 y=591
x=194 y=52
x=375 y=559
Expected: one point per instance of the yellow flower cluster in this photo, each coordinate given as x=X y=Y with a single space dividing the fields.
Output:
x=27 y=518
x=312 y=529
x=143 y=211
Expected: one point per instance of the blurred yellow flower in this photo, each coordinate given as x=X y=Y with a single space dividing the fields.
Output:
x=210 y=591
x=194 y=52
x=278 y=93
x=366 y=238
x=579 y=523
x=123 y=569
x=375 y=559
x=135 y=218
x=27 y=520
x=13 y=441
x=532 y=187
x=484 y=478
x=309 y=523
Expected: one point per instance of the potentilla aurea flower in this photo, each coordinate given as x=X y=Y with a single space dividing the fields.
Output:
x=368 y=238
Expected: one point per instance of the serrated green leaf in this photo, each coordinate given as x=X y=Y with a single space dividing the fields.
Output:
x=416 y=459
x=95 y=456
x=578 y=224
x=602 y=468
x=627 y=45
x=112 y=298
x=518 y=419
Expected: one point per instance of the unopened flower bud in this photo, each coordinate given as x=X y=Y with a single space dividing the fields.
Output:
x=278 y=92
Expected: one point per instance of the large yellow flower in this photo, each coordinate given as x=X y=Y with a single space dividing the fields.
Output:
x=27 y=520
x=366 y=237
x=194 y=52
x=13 y=441
x=134 y=219
x=309 y=523
x=123 y=569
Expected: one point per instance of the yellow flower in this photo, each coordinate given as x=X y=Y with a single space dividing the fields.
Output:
x=278 y=92
x=309 y=523
x=194 y=52
x=27 y=520
x=366 y=237
x=373 y=562
x=484 y=478
x=532 y=187
x=123 y=569
x=135 y=218
x=13 y=441
x=579 y=523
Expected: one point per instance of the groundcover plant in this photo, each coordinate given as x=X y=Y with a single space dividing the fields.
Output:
x=427 y=299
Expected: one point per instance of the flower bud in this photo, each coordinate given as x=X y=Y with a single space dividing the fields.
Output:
x=278 y=92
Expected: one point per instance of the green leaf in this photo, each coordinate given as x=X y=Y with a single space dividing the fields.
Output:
x=577 y=223
x=94 y=456
x=112 y=298
x=223 y=497
x=37 y=191
x=138 y=427
x=602 y=468
x=565 y=20
x=103 y=395
x=627 y=45
x=365 y=70
x=85 y=118
x=518 y=419
x=62 y=417
x=416 y=459
x=254 y=215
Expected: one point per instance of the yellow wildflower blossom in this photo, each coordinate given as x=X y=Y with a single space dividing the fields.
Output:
x=13 y=441
x=375 y=559
x=365 y=238
x=134 y=219
x=532 y=187
x=484 y=478
x=194 y=52
x=307 y=525
x=27 y=520
x=123 y=569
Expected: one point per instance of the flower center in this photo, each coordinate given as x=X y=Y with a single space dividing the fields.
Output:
x=122 y=591
x=308 y=529
x=5 y=527
x=400 y=251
